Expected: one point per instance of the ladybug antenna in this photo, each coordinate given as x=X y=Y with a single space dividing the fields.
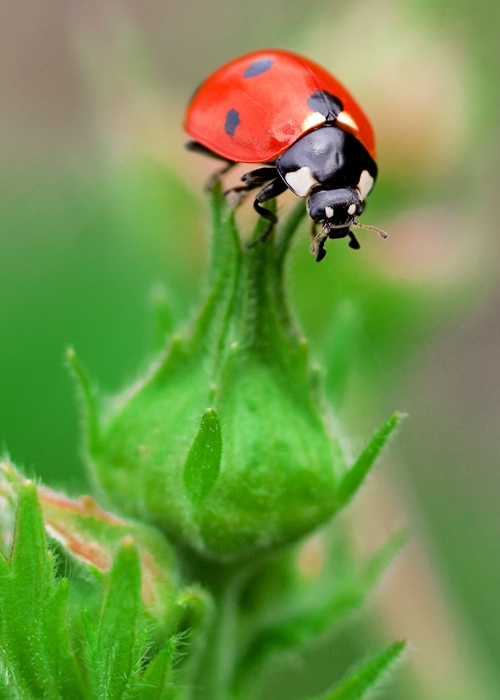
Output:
x=317 y=238
x=381 y=233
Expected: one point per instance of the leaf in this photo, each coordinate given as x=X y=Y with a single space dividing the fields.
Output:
x=361 y=683
x=112 y=653
x=156 y=682
x=36 y=659
x=93 y=536
x=203 y=462
x=360 y=469
x=89 y=401
x=313 y=612
x=33 y=633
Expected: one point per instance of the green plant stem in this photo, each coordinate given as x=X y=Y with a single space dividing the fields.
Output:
x=212 y=670
x=216 y=662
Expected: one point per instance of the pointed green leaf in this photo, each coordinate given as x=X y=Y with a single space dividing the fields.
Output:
x=358 y=472
x=203 y=462
x=113 y=657
x=381 y=560
x=89 y=401
x=157 y=679
x=29 y=553
x=303 y=617
x=34 y=640
x=357 y=686
x=91 y=536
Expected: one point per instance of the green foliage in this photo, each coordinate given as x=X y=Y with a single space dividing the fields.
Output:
x=219 y=456
x=363 y=682
x=35 y=650
x=157 y=682
x=112 y=652
x=294 y=614
x=203 y=462
x=37 y=657
x=243 y=359
x=88 y=401
x=360 y=469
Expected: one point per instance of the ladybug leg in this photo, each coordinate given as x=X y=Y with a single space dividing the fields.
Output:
x=318 y=241
x=353 y=243
x=321 y=250
x=197 y=147
x=254 y=179
x=270 y=191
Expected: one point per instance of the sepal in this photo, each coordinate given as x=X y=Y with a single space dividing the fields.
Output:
x=357 y=474
x=203 y=461
x=93 y=536
x=116 y=656
x=304 y=606
x=361 y=683
x=34 y=642
x=89 y=401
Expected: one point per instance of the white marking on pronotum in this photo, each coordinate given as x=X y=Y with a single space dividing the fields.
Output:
x=365 y=184
x=301 y=181
x=352 y=209
x=329 y=212
x=347 y=120
x=312 y=120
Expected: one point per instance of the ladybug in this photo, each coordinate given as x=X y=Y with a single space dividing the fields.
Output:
x=280 y=109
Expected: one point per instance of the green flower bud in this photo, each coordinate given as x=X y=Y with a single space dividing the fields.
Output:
x=93 y=536
x=224 y=445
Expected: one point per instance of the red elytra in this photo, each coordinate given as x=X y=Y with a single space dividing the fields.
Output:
x=255 y=107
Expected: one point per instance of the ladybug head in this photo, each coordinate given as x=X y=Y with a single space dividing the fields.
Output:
x=336 y=208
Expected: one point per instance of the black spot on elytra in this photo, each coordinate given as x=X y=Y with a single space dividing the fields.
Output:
x=232 y=121
x=326 y=104
x=258 y=67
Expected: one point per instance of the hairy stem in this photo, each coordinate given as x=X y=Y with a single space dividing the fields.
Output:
x=216 y=661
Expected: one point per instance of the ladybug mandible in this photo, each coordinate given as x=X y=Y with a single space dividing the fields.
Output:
x=278 y=108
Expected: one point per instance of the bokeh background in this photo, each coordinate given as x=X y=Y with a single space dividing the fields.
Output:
x=101 y=208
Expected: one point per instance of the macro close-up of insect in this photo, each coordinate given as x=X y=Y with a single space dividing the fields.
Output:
x=283 y=110
x=227 y=472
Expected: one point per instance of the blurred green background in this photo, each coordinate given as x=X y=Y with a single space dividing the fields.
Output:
x=100 y=204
